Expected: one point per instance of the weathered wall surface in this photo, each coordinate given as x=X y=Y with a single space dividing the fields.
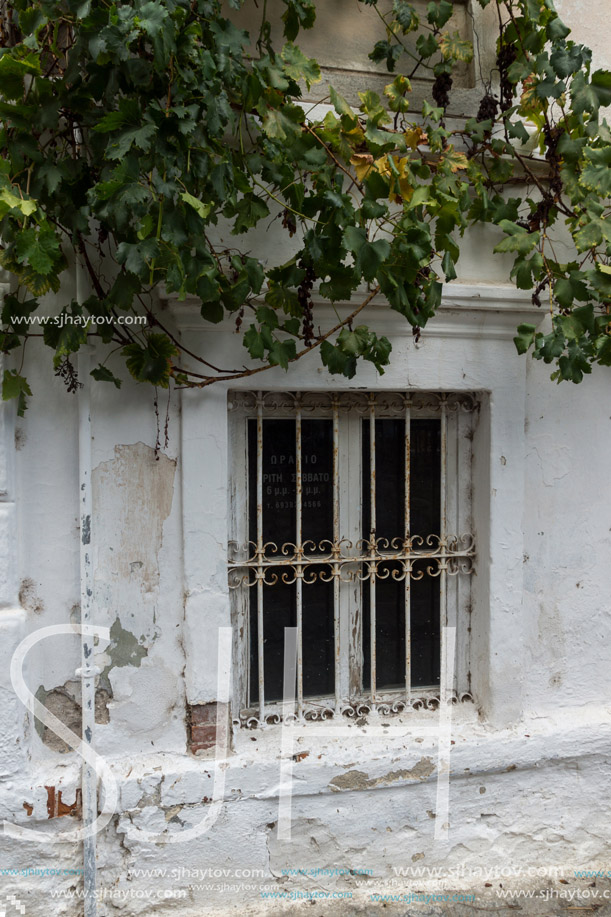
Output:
x=530 y=763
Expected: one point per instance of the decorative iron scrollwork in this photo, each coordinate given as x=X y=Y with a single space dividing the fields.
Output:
x=383 y=558
x=350 y=710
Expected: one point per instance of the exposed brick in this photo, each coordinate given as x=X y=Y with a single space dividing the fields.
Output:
x=56 y=807
x=202 y=725
x=203 y=714
x=202 y=737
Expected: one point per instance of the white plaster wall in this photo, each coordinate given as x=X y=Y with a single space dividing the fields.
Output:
x=587 y=20
x=567 y=543
x=568 y=525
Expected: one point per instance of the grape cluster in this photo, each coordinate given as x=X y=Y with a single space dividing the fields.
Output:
x=289 y=222
x=552 y=135
x=441 y=88
x=506 y=57
x=304 y=295
x=67 y=374
x=487 y=108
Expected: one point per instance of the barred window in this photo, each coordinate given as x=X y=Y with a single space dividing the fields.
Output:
x=351 y=522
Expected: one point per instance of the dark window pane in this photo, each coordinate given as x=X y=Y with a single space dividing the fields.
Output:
x=317 y=481
x=425 y=460
x=425 y=516
x=426 y=646
x=318 y=636
x=317 y=526
x=279 y=527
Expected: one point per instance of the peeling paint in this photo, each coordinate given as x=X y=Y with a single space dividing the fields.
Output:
x=358 y=780
x=56 y=808
x=86 y=530
x=65 y=703
x=132 y=498
x=124 y=648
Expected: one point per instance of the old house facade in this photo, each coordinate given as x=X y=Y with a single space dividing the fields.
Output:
x=211 y=793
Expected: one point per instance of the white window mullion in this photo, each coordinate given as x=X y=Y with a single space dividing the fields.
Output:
x=351 y=604
x=407 y=564
x=443 y=539
x=372 y=566
x=299 y=555
x=260 y=559
x=453 y=529
x=337 y=643
x=464 y=528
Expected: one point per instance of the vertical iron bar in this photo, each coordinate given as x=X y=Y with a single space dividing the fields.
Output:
x=299 y=568
x=88 y=671
x=407 y=550
x=260 y=568
x=443 y=523
x=372 y=543
x=336 y=551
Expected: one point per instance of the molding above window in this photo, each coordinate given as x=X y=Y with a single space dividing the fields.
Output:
x=468 y=310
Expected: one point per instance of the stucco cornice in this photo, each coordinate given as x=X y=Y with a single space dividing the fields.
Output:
x=468 y=310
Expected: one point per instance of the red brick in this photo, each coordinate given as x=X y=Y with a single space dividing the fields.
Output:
x=203 y=735
x=202 y=713
x=202 y=725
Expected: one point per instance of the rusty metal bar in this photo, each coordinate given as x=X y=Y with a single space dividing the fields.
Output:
x=336 y=567
x=260 y=570
x=407 y=511
x=372 y=542
x=299 y=552
x=343 y=563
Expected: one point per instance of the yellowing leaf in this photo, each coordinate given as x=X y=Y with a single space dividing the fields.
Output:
x=381 y=165
x=298 y=66
x=356 y=134
x=397 y=170
x=455 y=160
x=415 y=137
x=405 y=189
x=530 y=102
x=453 y=47
x=395 y=93
x=363 y=164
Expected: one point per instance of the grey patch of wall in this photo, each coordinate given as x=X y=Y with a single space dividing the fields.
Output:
x=28 y=598
x=132 y=498
x=64 y=702
x=20 y=438
x=124 y=647
x=358 y=780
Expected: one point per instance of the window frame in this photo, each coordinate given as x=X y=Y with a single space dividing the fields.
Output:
x=458 y=414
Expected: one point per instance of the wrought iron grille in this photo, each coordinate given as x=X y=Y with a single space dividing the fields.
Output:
x=314 y=464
